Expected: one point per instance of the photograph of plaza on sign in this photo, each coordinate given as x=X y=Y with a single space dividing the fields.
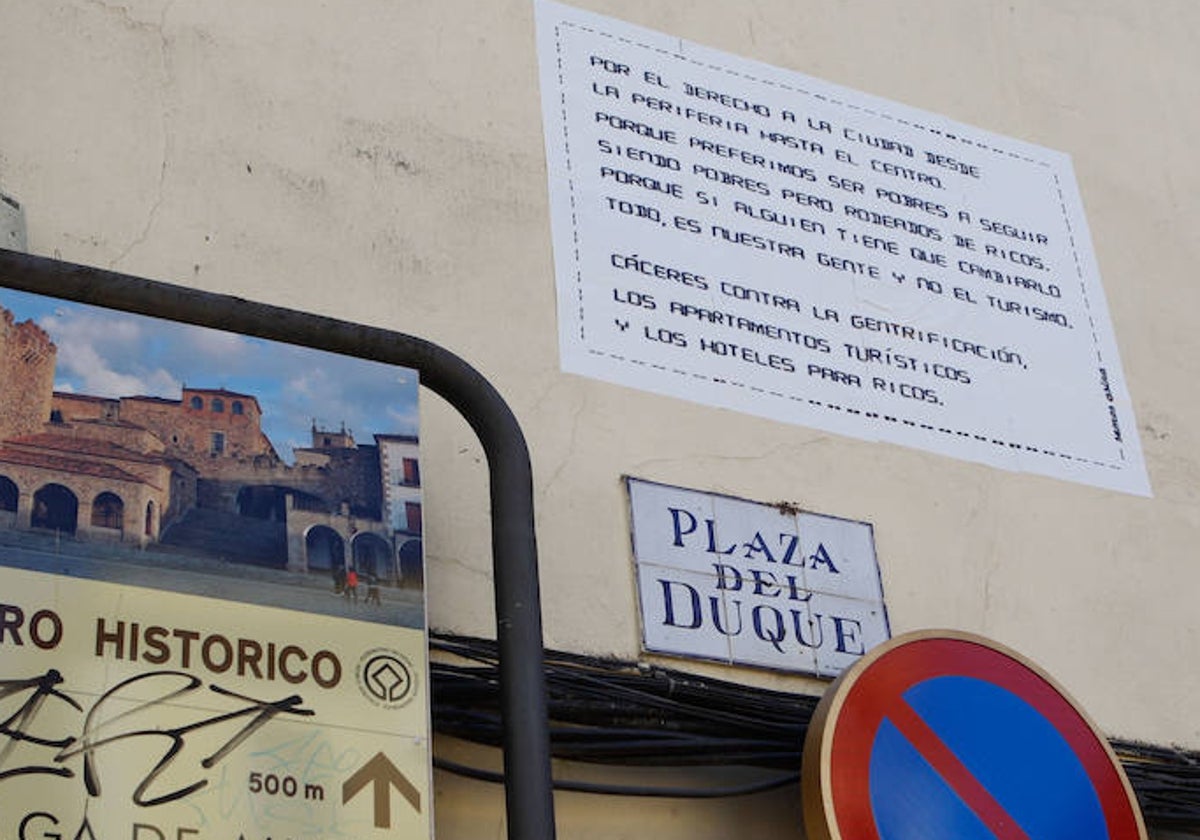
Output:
x=143 y=451
x=212 y=617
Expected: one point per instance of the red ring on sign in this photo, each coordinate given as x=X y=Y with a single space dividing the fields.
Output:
x=874 y=690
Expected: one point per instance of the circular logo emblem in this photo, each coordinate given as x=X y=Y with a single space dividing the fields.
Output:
x=386 y=678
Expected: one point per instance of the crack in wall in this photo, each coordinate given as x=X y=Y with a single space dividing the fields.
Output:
x=710 y=458
x=443 y=559
x=167 y=139
x=552 y=479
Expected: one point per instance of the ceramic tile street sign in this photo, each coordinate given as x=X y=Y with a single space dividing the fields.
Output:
x=753 y=584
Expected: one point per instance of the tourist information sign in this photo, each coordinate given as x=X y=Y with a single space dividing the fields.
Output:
x=212 y=621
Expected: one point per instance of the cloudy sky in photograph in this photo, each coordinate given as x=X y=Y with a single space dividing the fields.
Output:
x=107 y=353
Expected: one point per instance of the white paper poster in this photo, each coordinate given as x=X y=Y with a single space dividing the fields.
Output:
x=212 y=609
x=748 y=237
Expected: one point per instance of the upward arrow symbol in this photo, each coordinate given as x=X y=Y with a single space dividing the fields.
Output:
x=383 y=775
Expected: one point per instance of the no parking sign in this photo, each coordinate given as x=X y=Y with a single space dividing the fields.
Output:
x=939 y=735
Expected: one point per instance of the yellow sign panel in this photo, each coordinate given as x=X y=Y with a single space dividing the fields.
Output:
x=129 y=713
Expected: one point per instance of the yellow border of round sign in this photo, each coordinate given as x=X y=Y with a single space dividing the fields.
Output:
x=816 y=797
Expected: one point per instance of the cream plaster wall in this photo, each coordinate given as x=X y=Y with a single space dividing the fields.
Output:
x=381 y=161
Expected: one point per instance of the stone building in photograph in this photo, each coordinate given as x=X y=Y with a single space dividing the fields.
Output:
x=197 y=474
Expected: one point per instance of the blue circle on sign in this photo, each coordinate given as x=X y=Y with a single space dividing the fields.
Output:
x=1021 y=759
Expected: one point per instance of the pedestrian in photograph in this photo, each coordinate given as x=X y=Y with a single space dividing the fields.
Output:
x=352 y=585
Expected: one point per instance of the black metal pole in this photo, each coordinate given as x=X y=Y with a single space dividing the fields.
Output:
x=528 y=789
